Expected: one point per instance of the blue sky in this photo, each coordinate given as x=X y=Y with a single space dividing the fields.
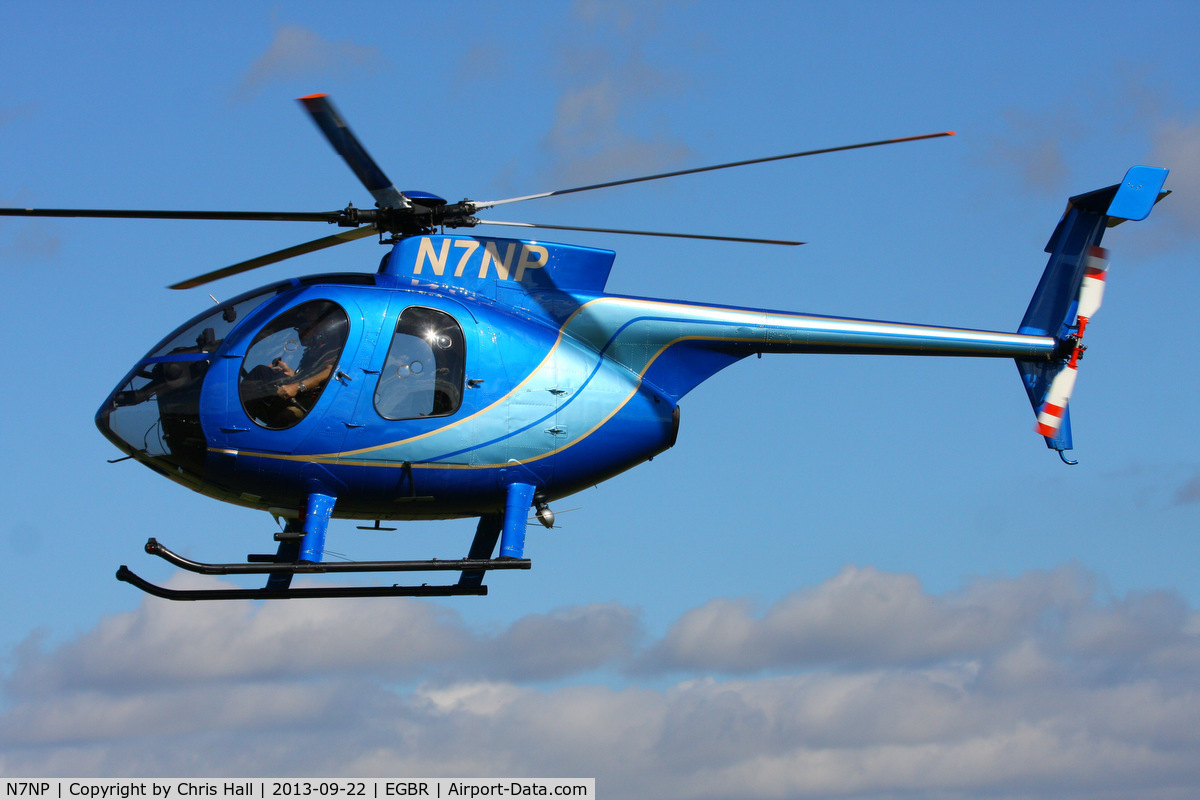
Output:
x=855 y=576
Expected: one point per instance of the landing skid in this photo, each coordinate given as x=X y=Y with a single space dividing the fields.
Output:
x=267 y=565
x=302 y=545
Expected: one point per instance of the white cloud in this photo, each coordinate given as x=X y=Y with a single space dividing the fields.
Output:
x=607 y=84
x=589 y=143
x=865 y=686
x=1032 y=148
x=1177 y=146
x=1042 y=150
x=297 y=52
x=31 y=241
x=27 y=239
x=11 y=113
x=165 y=644
x=867 y=618
x=1189 y=492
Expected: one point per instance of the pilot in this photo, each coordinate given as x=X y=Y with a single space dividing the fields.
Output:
x=322 y=330
x=322 y=335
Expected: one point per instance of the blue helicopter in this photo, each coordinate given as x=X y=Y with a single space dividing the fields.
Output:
x=488 y=377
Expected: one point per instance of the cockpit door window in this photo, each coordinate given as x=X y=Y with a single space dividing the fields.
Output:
x=425 y=368
x=291 y=361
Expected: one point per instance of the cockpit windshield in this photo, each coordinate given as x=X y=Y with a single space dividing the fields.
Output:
x=205 y=333
x=168 y=429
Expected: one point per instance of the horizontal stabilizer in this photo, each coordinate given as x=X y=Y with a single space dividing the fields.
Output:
x=1140 y=190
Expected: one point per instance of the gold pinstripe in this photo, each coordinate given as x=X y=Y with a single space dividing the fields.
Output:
x=339 y=458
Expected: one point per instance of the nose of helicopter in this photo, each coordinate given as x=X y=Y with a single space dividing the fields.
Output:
x=154 y=416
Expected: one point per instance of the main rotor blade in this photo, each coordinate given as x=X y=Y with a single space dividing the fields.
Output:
x=279 y=255
x=355 y=155
x=639 y=233
x=492 y=203
x=110 y=213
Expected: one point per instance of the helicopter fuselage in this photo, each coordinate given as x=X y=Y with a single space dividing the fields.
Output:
x=447 y=378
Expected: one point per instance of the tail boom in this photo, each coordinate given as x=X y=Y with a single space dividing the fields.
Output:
x=676 y=346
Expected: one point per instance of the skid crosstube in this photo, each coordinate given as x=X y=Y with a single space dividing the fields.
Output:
x=266 y=565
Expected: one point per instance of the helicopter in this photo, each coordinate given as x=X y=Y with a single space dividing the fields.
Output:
x=472 y=376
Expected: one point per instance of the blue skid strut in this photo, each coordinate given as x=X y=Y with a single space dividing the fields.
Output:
x=516 y=514
x=317 y=511
x=302 y=545
x=308 y=548
x=508 y=528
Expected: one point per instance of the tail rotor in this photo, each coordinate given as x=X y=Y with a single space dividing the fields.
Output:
x=1071 y=290
x=1091 y=293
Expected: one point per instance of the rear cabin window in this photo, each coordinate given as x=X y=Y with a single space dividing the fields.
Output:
x=425 y=368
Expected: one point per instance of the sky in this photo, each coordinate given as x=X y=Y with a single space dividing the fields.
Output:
x=853 y=577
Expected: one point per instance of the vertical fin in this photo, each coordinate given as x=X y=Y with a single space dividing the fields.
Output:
x=1071 y=289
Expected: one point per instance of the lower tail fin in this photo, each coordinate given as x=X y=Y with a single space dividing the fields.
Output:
x=1070 y=291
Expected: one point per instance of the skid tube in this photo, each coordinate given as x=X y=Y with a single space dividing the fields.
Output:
x=259 y=565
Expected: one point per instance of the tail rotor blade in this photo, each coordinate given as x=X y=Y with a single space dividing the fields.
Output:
x=1091 y=291
x=1050 y=417
x=355 y=155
